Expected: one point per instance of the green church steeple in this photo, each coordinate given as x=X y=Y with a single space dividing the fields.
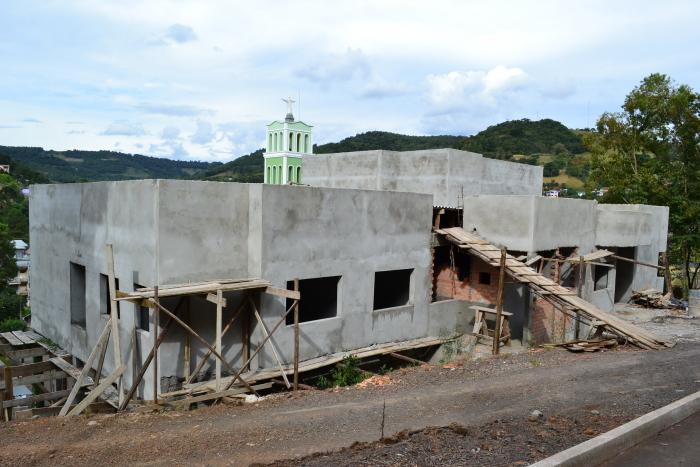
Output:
x=287 y=142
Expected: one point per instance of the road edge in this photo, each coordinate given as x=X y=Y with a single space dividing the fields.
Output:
x=604 y=447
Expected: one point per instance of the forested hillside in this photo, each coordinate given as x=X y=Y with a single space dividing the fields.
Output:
x=390 y=142
x=75 y=166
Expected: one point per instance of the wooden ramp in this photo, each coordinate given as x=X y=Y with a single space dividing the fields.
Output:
x=551 y=291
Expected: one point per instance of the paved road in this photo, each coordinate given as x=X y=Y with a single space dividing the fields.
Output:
x=623 y=383
x=678 y=445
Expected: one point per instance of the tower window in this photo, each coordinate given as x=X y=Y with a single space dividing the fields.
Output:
x=268 y=174
x=269 y=142
x=298 y=174
x=274 y=145
x=290 y=141
x=298 y=142
x=306 y=144
x=290 y=172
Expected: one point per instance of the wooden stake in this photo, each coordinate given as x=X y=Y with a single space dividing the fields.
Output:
x=156 y=330
x=245 y=336
x=499 y=303
x=219 y=309
x=667 y=274
x=95 y=393
x=296 y=337
x=101 y=343
x=187 y=353
x=579 y=292
x=114 y=313
x=272 y=344
x=9 y=390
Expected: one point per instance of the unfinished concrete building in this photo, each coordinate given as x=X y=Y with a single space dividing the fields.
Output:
x=361 y=241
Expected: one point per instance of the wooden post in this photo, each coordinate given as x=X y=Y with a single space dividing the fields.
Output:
x=579 y=291
x=9 y=390
x=499 y=303
x=296 y=336
x=268 y=336
x=667 y=275
x=245 y=332
x=219 y=309
x=187 y=357
x=114 y=313
x=156 y=330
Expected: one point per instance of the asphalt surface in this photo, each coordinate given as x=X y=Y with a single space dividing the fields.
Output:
x=678 y=445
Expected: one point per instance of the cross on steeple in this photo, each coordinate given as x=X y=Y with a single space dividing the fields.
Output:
x=290 y=111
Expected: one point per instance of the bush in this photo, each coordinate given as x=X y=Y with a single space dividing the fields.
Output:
x=346 y=373
x=10 y=303
x=13 y=324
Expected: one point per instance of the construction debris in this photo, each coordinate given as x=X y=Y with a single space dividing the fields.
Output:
x=652 y=298
x=587 y=345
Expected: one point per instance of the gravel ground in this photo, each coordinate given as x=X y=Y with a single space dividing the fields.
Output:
x=490 y=396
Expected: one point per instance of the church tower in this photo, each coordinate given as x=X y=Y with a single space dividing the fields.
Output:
x=287 y=142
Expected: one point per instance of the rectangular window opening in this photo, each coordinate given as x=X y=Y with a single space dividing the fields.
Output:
x=485 y=278
x=392 y=288
x=319 y=299
x=143 y=314
x=105 y=301
x=77 y=294
x=600 y=277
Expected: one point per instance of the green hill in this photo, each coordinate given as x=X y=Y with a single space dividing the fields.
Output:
x=390 y=142
x=525 y=136
x=76 y=166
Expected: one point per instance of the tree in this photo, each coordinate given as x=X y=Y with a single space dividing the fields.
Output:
x=650 y=153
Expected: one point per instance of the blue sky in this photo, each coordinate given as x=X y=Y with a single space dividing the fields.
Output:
x=200 y=79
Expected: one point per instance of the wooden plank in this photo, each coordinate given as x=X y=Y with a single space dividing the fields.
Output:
x=296 y=336
x=212 y=297
x=24 y=338
x=11 y=339
x=101 y=342
x=489 y=310
x=95 y=393
x=156 y=330
x=70 y=370
x=269 y=339
x=34 y=379
x=29 y=369
x=291 y=294
x=218 y=395
x=209 y=287
x=499 y=303
x=219 y=308
x=26 y=353
x=36 y=398
x=114 y=314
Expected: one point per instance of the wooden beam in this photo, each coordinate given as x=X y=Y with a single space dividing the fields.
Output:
x=667 y=274
x=95 y=393
x=101 y=341
x=219 y=309
x=296 y=337
x=217 y=395
x=47 y=396
x=214 y=298
x=114 y=313
x=398 y=356
x=269 y=338
x=291 y=294
x=156 y=330
x=187 y=351
x=499 y=303
x=641 y=263
x=28 y=369
x=579 y=291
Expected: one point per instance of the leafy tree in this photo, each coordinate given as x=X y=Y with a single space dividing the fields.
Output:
x=650 y=153
x=551 y=169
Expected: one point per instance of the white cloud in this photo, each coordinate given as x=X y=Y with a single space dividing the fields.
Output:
x=180 y=33
x=338 y=67
x=457 y=90
x=204 y=133
x=124 y=128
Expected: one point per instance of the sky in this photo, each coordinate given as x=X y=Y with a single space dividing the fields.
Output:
x=199 y=80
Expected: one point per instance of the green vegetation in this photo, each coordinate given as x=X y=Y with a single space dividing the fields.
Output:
x=12 y=324
x=77 y=166
x=650 y=153
x=245 y=169
x=390 y=142
x=527 y=137
x=346 y=373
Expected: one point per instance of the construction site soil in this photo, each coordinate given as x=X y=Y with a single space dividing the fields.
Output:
x=480 y=413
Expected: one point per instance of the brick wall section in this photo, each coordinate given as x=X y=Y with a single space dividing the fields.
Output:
x=547 y=323
x=449 y=285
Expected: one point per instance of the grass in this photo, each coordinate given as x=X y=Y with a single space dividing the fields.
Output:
x=564 y=178
x=346 y=373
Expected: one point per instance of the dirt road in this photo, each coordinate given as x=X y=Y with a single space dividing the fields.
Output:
x=621 y=384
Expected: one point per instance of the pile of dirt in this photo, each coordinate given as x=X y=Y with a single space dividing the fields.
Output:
x=507 y=442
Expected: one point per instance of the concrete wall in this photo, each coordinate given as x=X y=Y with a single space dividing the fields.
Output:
x=179 y=231
x=444 y=173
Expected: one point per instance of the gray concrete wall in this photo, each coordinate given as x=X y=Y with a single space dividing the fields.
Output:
x=204 y=230
x=444 y=173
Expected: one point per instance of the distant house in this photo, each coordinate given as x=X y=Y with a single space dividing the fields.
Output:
x=5 y=168
x=21 y=282
x=552 y=193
